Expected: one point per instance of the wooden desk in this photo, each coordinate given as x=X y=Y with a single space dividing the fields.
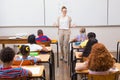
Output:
x=46 y=58
x=43 y=57
x=37 y=70
x=6 y=40
x=77 y=54
x=86 y=71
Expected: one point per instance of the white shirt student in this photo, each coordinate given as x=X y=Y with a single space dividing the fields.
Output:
x=33 y=46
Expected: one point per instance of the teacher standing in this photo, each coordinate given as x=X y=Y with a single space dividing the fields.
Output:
x=64 y=23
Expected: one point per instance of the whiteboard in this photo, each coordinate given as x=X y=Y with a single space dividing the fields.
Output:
x=51 y=12
x=114 y=12
x=82 y=12
x=21 y=13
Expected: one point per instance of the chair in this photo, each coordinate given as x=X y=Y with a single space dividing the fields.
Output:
x=110 y=76
x=24 y=63
x=18 y=78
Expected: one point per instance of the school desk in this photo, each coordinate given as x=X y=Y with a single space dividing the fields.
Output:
x=13 y=40
x=38 y=71
x=85 y=72
x=47 y=58
x=70 y=58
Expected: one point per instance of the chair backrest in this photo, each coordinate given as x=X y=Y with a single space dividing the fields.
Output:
x=18 y=78
x=24 y=63
x=110 y=76
x=47 y=43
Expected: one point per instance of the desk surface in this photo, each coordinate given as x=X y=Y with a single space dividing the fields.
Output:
x=86 y=71
x=77 y=54
x=37 y=70
x=44 y=57
x=8 y=39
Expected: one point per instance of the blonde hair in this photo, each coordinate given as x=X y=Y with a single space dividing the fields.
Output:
x=83 y=30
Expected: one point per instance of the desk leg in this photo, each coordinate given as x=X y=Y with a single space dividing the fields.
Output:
x=53 y=66
x=118 y=55
x=3 y=45
x=50 y=70
x=57 y=55
x=71 y=59
x=69 y=53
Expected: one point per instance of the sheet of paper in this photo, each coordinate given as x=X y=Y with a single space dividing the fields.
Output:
x=12 y=37
x=34 y=70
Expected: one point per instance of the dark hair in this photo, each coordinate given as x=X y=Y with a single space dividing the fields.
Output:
x=88 y=47
x=91 y=35
x=31 y=39
x=39 y=32
x=7 y=55
x=24 y=49
x=63 y=7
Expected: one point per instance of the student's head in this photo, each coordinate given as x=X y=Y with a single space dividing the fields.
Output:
x=100 y=59
x=31 y=39
x=64 y=10
x=39 y=32
x=24 y=50
x=91 y=35
x=7 y=55
x=88 y=46
x=83 y=30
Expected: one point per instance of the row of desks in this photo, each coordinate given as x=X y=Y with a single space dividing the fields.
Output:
x=45 y=58
x=9 y=40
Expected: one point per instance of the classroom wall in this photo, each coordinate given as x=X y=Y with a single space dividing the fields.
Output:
x=107 y=35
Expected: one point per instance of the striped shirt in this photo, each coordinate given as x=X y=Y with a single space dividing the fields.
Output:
x=13 y=72
x=42 y=38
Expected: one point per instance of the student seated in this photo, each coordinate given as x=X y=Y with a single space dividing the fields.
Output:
x=7 y=71
x=100 y=61
x=89 y=36
x=81 y=37
x=41 y=37
x=25 y=51
x=88 y=47
x=33 y=46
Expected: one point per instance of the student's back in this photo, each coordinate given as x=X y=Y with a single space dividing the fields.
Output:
x=41 y=37
x=11 y=72
x=100 y=60
x=33 y=46
x=7 y=71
